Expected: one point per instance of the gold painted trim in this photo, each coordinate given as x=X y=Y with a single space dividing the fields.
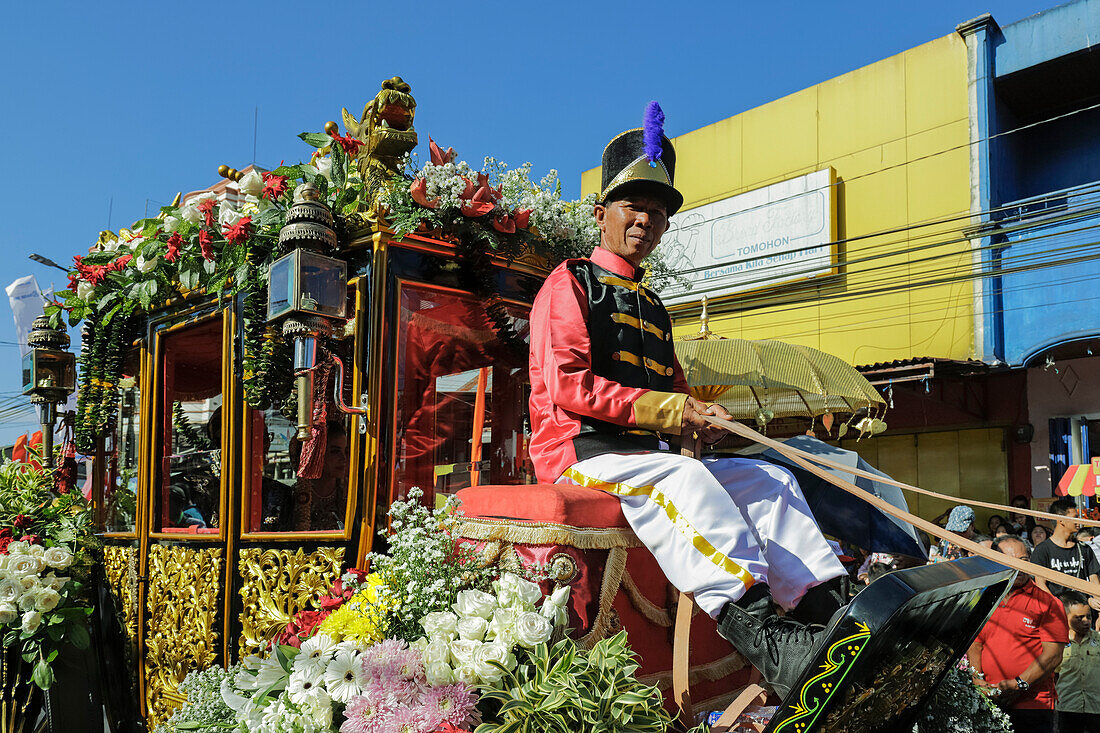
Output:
x=371 y=322
x=232 y=404
x=159 y=333
x=638 y=170
x=679 y=521
x=640 y=324
x=546 y=533
x=662 y=411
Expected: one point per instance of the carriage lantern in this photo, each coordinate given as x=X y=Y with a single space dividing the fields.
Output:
x=49 y=377
x=307 y=292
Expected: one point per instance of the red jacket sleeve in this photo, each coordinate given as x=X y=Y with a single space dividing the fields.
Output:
x=562 y=349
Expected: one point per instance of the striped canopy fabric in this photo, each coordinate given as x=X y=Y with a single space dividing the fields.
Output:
x=749 y=376
x=1080 y=480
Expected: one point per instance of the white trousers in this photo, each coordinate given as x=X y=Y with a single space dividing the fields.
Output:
x=717 y=526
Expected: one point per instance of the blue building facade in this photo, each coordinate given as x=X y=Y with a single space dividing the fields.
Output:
x=1035 y=197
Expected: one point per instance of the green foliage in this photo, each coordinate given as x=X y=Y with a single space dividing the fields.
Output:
x=565 y=689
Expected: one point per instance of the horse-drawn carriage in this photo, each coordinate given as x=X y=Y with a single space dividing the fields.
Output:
x=272 y=362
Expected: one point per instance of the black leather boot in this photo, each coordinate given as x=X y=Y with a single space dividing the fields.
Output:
x=779 y=647
x=822 y=601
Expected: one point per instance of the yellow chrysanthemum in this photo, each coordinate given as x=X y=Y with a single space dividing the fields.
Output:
x=363 y=617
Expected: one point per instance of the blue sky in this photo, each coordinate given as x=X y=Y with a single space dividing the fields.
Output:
x=114 y=107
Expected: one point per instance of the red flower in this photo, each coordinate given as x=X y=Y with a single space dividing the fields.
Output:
x=204 y=244
x=419 y=192
x=274 y=186
x=31 y=539
x=301 y=627
x=207 y=209
x=348 y=143
x=439 y=156
x=504 y=224
x=174 y=243
x=480 y=203
x=120 y=264
x=239 y=232
x=522 y=217
x=21 y=521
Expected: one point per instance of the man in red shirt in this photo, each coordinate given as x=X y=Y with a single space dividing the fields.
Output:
x=608 y=396
x=1020 y=646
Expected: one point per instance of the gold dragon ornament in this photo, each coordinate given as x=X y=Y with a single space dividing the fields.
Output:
x=386 y=131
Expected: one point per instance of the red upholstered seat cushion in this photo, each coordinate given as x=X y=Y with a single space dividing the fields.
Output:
x=558 y=503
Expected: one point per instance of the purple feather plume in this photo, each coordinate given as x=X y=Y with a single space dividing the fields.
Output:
x=652 y=132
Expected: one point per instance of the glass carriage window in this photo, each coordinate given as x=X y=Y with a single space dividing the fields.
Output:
x=190 y=481
x=461 y=396
x=121 y=472
x=282 y=501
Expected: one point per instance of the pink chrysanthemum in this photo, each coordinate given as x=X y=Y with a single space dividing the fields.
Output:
x=379 y=657
x=365 y=714
x=408 y=664
x=449 y=704
x=401 y=692
x=405 y=720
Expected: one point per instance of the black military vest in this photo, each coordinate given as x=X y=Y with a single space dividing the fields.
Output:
x=631 y=336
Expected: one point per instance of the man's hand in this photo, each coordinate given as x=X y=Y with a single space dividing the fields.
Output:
x=1094 y=603
x=694 y=420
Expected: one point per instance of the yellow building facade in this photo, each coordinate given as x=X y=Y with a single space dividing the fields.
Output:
x=896 y=136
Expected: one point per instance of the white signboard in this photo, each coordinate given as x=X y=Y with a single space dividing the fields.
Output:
x=772 y=235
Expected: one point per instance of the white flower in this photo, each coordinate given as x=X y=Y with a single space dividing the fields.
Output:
x=111 y=246
x=474 y=603
x=515 y=592
x=37 y=550
x=531 y=629
x=439 y=625
x=31 y=621
x=55 y=582
x=19 y=547
x=171 y=223
x=439 y=673
x=27 y=582
x=301 y=686
x=554 y=607
x=436 y=651
x=145 y=265
x=472 y=628
x=57 y=557
x=485 y=654
x=501 y=627
x=315 y=654
x=46 y=600
x=462 y=651
x=269 y=673
x=343 y=676
x=8 y=613
x=84 y=289
x=251 y=183
x=465 y=673
x=324 y=166
x=227 y=217
x=24 y=565
x=209 y=266
x=10 y=590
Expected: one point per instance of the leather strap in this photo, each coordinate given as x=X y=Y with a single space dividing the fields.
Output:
x=751 y=694
x=808 y=461
x=685 y=606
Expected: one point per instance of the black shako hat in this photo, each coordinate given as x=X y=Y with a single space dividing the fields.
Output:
x=641 y=159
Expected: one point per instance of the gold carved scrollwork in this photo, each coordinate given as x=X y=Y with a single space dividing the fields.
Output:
x=276 y=584
x=184 y=598
x=120 y=565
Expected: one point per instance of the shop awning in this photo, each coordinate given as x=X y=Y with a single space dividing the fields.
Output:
x=1080 y=480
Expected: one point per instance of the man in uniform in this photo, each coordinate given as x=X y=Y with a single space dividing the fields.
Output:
x=607 y=393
